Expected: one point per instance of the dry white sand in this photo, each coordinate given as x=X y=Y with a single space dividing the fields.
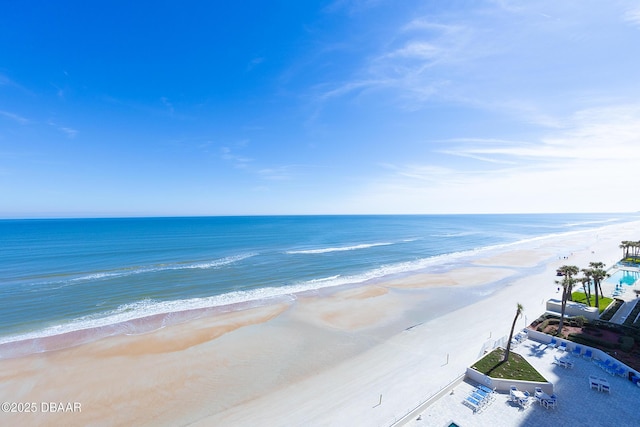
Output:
x=351 y=356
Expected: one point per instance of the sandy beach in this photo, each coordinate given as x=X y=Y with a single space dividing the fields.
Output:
x=363 y=355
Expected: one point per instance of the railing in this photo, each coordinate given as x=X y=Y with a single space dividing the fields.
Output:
x=426 y=402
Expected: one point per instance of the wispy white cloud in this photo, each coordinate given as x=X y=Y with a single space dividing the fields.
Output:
x=351 y=6
x=403 y=63
x=281 y=173
x=248 y=165
x=417 y=50
x=582 y=167
x=4 y=80
x=167 y=104
x=240 y=162
x=15 y=117
x=254 y=63
x=598 y=134
x=633 y=16
x=351 y=87
x=70 y=132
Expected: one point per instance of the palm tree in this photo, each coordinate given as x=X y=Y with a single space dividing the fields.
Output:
x=586 y=285
x=513 y=325
x=624 y=245
x=567 y=282
x=598 y=274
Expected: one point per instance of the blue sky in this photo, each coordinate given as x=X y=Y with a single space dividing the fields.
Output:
x=119 y=108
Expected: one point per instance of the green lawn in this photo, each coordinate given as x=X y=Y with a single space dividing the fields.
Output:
x=582 y=298
x=516 y=368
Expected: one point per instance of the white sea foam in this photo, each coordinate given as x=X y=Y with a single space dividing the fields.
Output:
x=604 y=221
x=459 y=234
x=324 y=279
x=119 y=317
x=339 y=248
x=217 y=263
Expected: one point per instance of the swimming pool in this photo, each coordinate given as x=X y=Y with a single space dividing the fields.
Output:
x=624 y=277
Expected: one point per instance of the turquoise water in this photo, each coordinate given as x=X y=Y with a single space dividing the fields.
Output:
x=63 y=275
x=624 y=277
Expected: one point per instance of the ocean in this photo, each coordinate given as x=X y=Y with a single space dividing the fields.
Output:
x=63 y=276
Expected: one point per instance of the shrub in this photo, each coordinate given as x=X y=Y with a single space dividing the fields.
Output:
x=626 y=343
x=611 y=309
x=547 y=322
x=592 y=341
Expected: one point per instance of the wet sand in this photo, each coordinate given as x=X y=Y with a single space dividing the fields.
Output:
x=369 y=353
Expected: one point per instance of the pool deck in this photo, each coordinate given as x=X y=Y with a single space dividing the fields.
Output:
x=578 y=404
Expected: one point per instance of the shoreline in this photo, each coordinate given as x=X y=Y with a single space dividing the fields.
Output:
x=76 y=332
x=320 y=357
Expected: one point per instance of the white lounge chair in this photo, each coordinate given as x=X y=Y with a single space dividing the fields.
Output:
x=551 y=402
x=525 y=401
x=538 y=394
x=512 y=395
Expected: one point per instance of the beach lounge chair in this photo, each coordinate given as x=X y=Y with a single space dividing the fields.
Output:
x=607 y=366
x=613 y=369
x=486 y=395
x=538 y=395
x=563 y=346
x=553 y=342
x=485 y=388
x=525 y=401
x=479 y=398
x=561 y=362
x=593 y=381
x=472 y=403
x=605 y=387
x=512 y=397
x=588 y=354
x=577 y=350
x=551 y=402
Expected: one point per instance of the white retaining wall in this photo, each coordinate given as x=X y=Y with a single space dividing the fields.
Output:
x=504 y=385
